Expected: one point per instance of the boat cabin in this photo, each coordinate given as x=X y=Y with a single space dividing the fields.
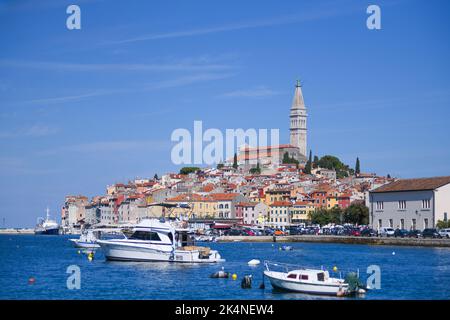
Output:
x=308 y=275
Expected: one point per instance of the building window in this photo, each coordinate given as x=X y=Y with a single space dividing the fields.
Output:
x=414 y=224
x=391 y=223
x=425 y=223
x=380 y=205
x=380 y=223
x=426 y=204
x=402 y=223
x=402 y=204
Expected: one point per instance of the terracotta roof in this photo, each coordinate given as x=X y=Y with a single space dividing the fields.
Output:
x=224 y=196
x=185 y=198
x=302 y=203
x=414 y=184
x=246 y=204
x=208 y=188
x=281 y=146
x=281 y=204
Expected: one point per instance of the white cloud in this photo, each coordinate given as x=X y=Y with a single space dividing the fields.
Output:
x=182 y=65
x=33 y=131
x=282 y=20
x=109 y=147
x=258 y=92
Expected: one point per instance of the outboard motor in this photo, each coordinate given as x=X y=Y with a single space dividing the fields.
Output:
x=246 y=282
x=220 y=274
x=355 y=286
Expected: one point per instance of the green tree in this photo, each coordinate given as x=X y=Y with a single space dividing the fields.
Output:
x=333 y=163
x=308 y=165
x=285 y=157
x=357 y=167
x=315 y=162
x=289 y=160
x=220 y=166
x=388 y=176
x=356 y=213
x=256 y=170
x=235 y=164
x=155 y=177
x=443 y=224
x=187 y=170
x=336 y=215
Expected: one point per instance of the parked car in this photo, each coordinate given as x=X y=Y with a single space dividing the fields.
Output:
x=401 y=233
x=414 y=234
x=247 y=232
x=355 y=232
x=279 y=232
x=445 y=233
x=268 y=231
x=233 y=232
x=294 y=231
x=368 y=232
x=386 y=232
x=430 y=233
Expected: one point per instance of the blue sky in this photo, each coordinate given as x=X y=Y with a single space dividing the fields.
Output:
x=81 y=109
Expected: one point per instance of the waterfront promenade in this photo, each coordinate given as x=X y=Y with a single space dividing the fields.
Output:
x=342 y=239
x=17 y=231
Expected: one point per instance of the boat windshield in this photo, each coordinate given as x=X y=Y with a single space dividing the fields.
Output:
x=145 y=235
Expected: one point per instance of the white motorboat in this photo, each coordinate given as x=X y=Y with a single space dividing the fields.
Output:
x=89 y=237
x=304 y=280
x=158 y=240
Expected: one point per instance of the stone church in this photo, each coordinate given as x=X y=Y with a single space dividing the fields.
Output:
x=272 y=156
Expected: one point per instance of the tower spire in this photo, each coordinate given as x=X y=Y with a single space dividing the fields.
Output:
x=298 y=118
x=298 y=102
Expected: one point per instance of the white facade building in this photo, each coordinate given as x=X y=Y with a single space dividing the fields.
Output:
x=410 y=203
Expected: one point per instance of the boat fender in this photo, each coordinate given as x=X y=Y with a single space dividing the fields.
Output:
x=234 y=276
x=340 y=293
x=91 y=256
x=254 y=262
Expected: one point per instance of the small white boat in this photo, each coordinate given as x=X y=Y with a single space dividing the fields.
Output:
x=304 y=280
x=158 y=240
x=89 y=237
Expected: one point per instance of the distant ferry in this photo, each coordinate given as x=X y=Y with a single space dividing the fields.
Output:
x=47 y=226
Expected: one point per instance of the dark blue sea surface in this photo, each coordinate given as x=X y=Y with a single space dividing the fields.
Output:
x=406 y=272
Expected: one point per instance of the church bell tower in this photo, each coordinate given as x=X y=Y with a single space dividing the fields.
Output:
x=298 y=117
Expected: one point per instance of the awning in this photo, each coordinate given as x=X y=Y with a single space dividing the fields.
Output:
x=221 y=226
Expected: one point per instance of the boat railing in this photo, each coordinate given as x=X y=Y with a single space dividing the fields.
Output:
x=287 y=267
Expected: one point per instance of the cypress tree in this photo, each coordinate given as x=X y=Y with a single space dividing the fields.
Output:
x=309 y=163
x=235 y=164
x=357 y=167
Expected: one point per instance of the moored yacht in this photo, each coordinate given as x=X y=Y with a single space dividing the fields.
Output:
x=312 y=281
x=158 y=240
